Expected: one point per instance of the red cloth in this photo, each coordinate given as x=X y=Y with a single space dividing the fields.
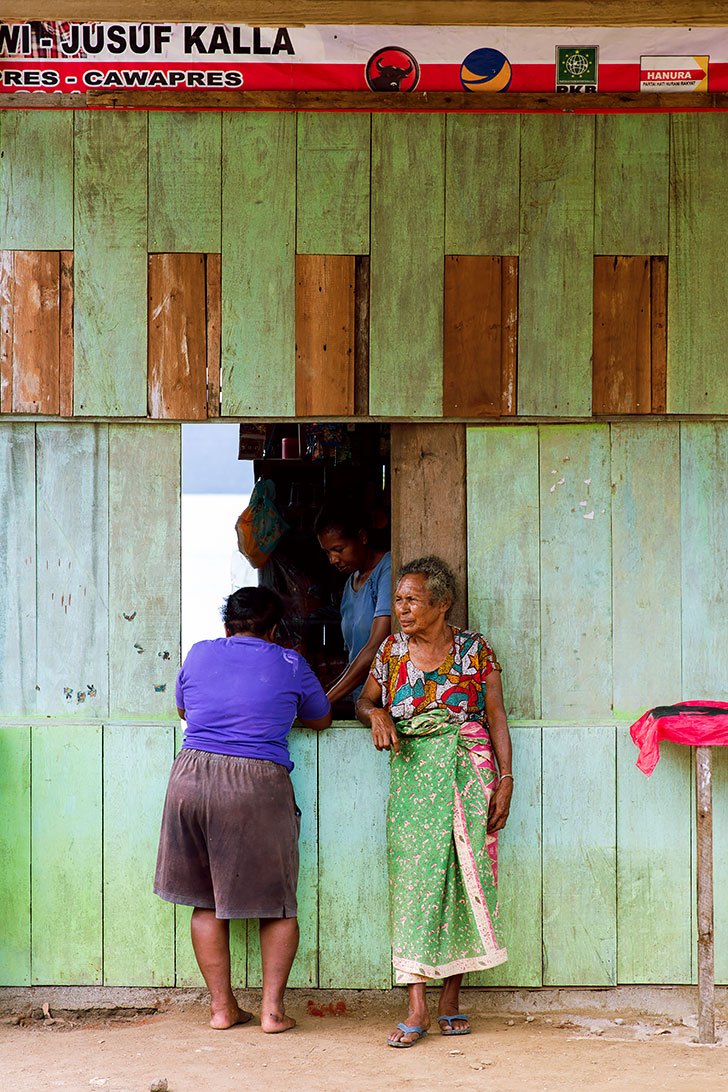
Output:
x=697 y=723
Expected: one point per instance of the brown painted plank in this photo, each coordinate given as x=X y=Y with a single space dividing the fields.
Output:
x=361 y=336
x=509 y=335
x=472 y=337
x=659 y=334
x=177 y=348
x=214 y=305
x=324 y=334
x=36 y=338
x=428 y=500
x=65 y=364
x=622 y=364
x=7 y=317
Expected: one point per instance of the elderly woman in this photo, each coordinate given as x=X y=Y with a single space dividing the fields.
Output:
x=229 y=841
x=434 y=698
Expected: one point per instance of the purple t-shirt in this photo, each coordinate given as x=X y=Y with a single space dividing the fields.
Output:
x=241 y=695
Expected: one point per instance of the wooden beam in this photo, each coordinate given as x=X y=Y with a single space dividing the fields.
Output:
x=706 y=945
x=424 y=102
x=382 y=12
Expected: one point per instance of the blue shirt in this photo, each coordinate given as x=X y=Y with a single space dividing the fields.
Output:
x=360 y=608
x=241 y=695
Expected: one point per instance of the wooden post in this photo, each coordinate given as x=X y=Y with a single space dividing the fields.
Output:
x=706 y=954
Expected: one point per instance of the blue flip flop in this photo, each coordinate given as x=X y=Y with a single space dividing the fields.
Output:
x=450 y=1029
x=414 y=1029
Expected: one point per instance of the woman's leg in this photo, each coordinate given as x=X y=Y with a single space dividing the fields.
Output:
x=211 y=941
x=278 y=945
x=450 y=1001
x=417 y=1014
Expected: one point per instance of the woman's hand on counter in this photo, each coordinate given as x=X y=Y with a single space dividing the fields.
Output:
x=384 y=733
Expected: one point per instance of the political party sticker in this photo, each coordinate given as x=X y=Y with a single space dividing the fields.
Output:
x=577 y=68
x=674 y=73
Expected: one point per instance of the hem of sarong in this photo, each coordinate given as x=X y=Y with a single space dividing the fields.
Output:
x=409 y=971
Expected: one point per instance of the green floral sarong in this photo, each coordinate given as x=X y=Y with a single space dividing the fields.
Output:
x=442 y=861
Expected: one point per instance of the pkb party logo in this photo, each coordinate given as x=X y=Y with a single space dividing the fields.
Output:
x=486 y=70
x=577 y=68
x=392 y=69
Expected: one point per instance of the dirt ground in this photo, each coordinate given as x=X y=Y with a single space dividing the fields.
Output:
x=341 y=1045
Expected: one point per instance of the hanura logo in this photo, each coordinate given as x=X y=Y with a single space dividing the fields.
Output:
x=674 y=73
x=392 y=69
x=577 y=68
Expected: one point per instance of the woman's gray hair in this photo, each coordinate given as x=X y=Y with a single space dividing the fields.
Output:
x=441 y=582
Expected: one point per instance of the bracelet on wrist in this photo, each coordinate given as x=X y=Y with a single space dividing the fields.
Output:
x=501 y=776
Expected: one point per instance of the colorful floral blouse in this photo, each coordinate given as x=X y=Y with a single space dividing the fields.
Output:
x=458 y=684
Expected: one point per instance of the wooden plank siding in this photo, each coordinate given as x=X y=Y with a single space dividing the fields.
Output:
x=36 y=180
x=332 y=192
x=622 y=360
x=15 y=812
x=556 y=255
x=325 y=334
x=110 y=296
x=631 y=184
x=185 y=150
x=258 y=267
x=177 y=343
x=697 y=288
x=428 y=499
x=479 y=374
x=18 y=557
x=407 y=252
x=482 y=184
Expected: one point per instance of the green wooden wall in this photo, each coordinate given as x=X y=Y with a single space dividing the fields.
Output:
x=407 y=189
x=597 y=558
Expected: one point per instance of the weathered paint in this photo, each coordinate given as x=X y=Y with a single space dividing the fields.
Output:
x=15 y=855
x=408 y=239
x=631 y=184
x=36 y=180
x=258 y=264
x=482 y=184
x=17 y=551
x=332 y=194
x=184 y=181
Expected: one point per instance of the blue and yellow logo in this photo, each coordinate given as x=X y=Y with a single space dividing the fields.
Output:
x=486 y=70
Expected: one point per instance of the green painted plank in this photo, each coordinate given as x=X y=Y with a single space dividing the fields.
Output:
x=144 y=599
x=579 y=857
x=354 y=943
x=697 y=288
x=407 y=259
x=17 y=561
x=556 y=265
x=482 y=184
x=333 y=169
x=184 y=182
x=187 y=973
x=258 y=264
x=72 y=520
x=503 y=556
x=66 y=855
x=519 y=871
x=704 y=487
x=304 y=752
x=576 y=575
x=15 y=855
x=646 y=561
x=36 y=180
x=110 y=264
x=138 y=942
x=631 y=184
x=653 y=867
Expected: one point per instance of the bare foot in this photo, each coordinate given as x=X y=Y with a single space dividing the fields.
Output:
x=414 y=1019
x=229 y=1017
x=274 y=1022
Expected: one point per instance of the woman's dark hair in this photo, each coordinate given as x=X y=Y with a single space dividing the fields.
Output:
x=348 y=520
x=439 y=577
x=252 y=610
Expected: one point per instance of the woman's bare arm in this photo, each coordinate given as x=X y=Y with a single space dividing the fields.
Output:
x=357 y=671
x=500 y=801
x=369 y=711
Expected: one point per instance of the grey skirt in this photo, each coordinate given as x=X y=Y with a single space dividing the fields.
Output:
x=229 y=839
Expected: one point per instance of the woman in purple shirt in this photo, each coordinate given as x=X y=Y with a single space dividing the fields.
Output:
x=229 y=840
